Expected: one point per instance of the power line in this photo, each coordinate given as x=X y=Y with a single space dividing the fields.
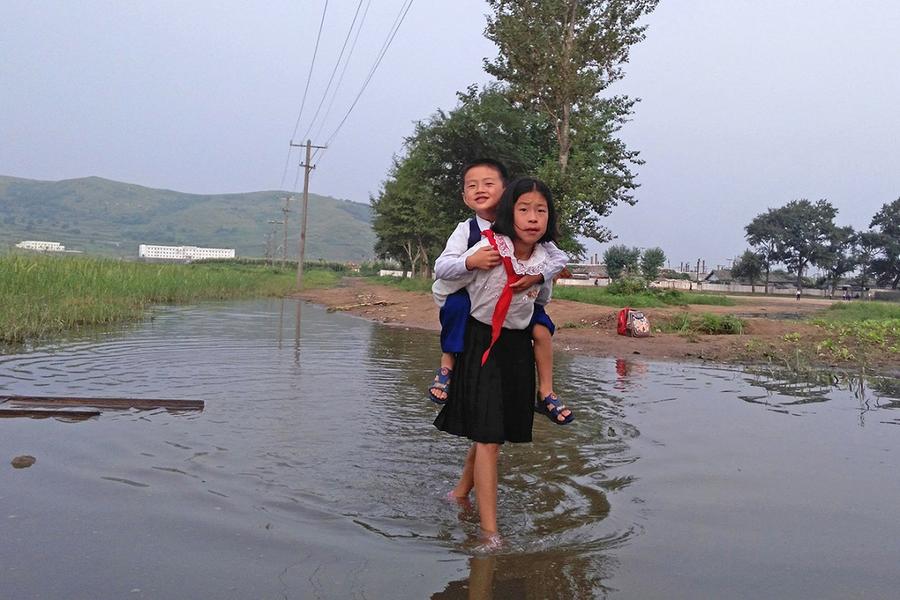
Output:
x=398 y=21
x=343 y=71
x=312 y=65
x=334 y=70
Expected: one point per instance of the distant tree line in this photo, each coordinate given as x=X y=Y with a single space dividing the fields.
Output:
x=622 y=261
x=803 y=233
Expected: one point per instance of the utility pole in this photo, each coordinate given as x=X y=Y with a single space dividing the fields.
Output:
x=307 y=167
x=284 y=220
x=274 y=245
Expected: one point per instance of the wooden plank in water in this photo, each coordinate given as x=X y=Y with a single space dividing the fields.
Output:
x=77 y=415
x=121 y=403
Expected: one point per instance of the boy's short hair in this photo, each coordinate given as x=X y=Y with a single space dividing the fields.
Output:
x=505 y=222
x=486 y=162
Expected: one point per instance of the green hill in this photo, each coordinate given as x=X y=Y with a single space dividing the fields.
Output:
x=111 y=218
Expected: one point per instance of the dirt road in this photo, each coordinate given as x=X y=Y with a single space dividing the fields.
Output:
x=591 y=329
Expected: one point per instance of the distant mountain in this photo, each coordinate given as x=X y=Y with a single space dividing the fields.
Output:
x=106 y=217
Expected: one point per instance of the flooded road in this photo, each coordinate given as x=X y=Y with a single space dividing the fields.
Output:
x=314 y=472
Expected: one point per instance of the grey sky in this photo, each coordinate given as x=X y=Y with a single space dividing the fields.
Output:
x=745 y=104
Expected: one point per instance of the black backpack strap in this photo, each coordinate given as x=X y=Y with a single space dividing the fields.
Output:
x=474 y=232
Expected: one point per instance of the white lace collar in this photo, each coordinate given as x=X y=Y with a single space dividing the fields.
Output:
x=534 y=265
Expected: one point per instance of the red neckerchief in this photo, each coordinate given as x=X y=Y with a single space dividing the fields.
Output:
x=505 y=296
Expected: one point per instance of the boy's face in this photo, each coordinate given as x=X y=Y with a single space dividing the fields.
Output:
x=482 y=188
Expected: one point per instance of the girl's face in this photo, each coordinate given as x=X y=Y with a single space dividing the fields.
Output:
x=530 y=215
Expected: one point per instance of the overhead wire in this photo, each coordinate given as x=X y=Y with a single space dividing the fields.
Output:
x=398 y=21
x=312 y=65
x=334 y=70
x=343 y=71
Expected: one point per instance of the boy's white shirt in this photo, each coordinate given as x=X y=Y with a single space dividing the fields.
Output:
x=485 y=286
x=451 y=264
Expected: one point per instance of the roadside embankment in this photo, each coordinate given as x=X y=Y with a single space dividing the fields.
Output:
x=798 y=334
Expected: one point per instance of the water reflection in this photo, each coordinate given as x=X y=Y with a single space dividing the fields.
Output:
x=324 y=476
x=551 y=576
x=786 y=389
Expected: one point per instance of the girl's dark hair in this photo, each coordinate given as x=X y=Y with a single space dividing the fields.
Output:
x=505 y=222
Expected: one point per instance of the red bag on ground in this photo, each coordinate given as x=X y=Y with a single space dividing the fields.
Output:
x=622 y=323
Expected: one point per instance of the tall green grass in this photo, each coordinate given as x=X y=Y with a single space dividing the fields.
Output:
x=860 y=310
x=707 y=323
x=45 y=295
x=652 y=298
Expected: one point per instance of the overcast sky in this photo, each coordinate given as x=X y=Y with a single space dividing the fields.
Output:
x=746 y=104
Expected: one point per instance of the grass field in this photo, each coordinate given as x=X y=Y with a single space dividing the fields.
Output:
x=652 y=298
x=42 y=296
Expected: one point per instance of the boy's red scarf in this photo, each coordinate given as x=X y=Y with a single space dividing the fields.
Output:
x=505 y=296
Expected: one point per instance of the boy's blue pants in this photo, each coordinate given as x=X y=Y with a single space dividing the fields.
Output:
x=455 y=313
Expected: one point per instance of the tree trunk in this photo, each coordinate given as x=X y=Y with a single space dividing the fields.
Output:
x=767 y=278
x=563 y=135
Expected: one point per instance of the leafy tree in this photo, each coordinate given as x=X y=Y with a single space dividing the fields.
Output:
x=764 y=234
x=651 y=262
x=796 y=234
x=558 y=57
x=404 y=225
x=621 y=259
x=886 y=224
x=421 y=201
x=748 y=267
x=838 y=257
x=806 y=231
x=866 y=249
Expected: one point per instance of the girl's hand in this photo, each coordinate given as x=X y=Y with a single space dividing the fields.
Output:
x=483 y=258
x=526 y=282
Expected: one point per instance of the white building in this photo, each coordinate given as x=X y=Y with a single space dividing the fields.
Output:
x=182 y=252
x=41 y=246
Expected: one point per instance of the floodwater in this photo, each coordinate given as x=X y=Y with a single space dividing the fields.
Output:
x=314 y=472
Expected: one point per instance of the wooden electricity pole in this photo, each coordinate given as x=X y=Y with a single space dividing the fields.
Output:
x=284 y=220
x=274 y=245
x=307 y=167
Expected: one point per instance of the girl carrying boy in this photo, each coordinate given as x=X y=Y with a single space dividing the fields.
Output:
x=491 y=400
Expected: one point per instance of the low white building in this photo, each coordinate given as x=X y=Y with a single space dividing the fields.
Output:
x=182 y=252
x=41 y=246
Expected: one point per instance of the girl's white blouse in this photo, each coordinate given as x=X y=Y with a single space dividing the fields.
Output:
x=484 y=287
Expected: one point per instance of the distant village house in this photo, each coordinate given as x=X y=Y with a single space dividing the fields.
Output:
x=182 y=253
x=41 y=246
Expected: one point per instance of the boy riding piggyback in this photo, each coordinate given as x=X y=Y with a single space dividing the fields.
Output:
x=483 y=183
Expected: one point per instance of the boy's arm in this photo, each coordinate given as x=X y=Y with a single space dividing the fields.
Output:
x=441 y=288
x=556 y=262
x=544 y=293
x=451 y=264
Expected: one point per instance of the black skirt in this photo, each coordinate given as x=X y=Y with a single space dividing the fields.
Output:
x=493 y=403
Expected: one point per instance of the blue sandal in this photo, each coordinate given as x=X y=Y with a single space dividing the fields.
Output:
x=442 y=384
x=553 y=408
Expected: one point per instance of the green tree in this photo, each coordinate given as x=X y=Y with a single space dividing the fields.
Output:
x=621 y=259
x=406 y=229
x=886 y=229
x=748 y=267
x=651 y=262
x=838 y=257
x=797 y=234
x=421 y=201
x=559 y=57
x=865 y=251
x=763 y=234
x=806 y=230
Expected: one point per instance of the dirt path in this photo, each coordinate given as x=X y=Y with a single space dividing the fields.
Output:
x=591 y=329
